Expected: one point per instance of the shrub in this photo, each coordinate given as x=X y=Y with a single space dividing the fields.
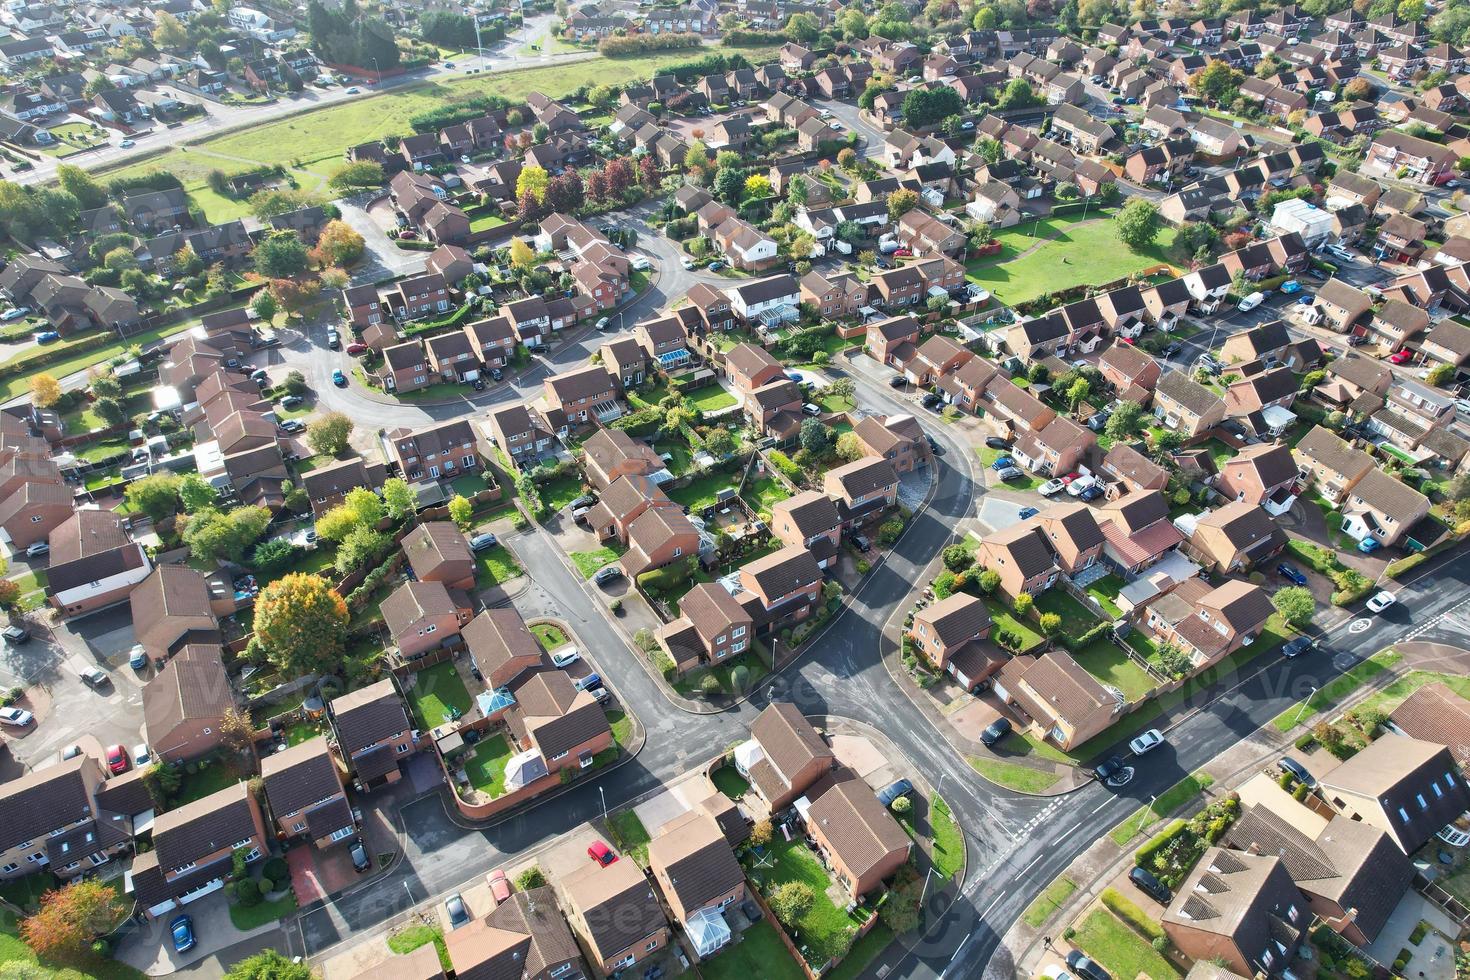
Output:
x=709 y=684
x=791 y=900
x=530 y=878
x=989 y=581
x=247 y=892
x=784 y=463
x=276 y=869
x=902 y=805
x=1022 y=605
x=864 y=566
x=1397 y=569
x=889 y=531
x=957 y=558
x=1120 y=905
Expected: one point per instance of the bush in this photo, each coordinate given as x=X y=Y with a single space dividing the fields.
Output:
x=902 y=805
x=530 y=878
x=247 y=892
x=784 y=463
x=1397 y=569
x=1022 y=605
x=276 y=869
x=889 y=531
x=957 y=558
x=791 y=900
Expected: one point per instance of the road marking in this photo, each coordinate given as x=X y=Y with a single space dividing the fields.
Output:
x=1359 y=625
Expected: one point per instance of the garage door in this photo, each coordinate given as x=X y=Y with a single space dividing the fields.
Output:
x=156 y=910
x=201 y=891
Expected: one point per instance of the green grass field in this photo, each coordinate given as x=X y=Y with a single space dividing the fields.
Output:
x=1399 y=690
x=1004 y=619
x=1077 y=619
x=711 y=399
x=1026 y=481
x=486 y=768
x=11 y=387
x=1021 y=778
x=410 y=938
x=588 y=562
x=825 y=929
x=1105 y=938
x=727 y=780
x=1087 y=253
x=1112 y=666
x=759 y=953
x=949 y=842
x=550 y=636
x=559 y=493
x=266 y=912
x=494 y=566
x=1169 y=800
x=632 y=836
x=1048 y=901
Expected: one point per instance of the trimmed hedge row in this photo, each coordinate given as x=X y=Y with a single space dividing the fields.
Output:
x=1119 y=904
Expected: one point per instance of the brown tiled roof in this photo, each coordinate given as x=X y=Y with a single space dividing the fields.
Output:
x=570 y=386
x=1070 y=692
x=433 y=544
x=369 y=715
x=1127 y=359
x=326 y=820
x=556 y=715
x=864 y=476
x=812 y=512
x=412 y=602
x=1272 y=463
x=783 y=571
x=1243 y=605
x=1075 y=521
x=712 y=610
x=1027 y=547
x=617 y=903
x=522 y=937
x=1434 y=713
x=192 y=686
x=209 y=824
x=1242 y=523
x=1362 y=371
x=126 y=794
x=300 y=776
x=1328 y=450
x=497 y=637
x=1388 y=495
x=95 y=535
x=1231 y=893
x=335 y=479
x=1187 y=392
x=169 y=590
x=788 y=740
x=1129 y=462
x=44 y=800
x=954 y=620
x=749 y=359
x=420 y=964
x=697 y=859
x=857 y=826
x=1135 y=511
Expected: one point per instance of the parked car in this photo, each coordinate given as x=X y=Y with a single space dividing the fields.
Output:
x=812 y=410
x=360 y=861
x=334 y=339
x=94 y=678
x=1369 y=544
x=601 y=853
x=1149 y=885
x=897 y=381
x=587 y=683
x=1147 y=742
x=16 y=717
x=141 y=755
x=1291 y=573
x=1091 y=493
x=47 y=336
x=1251 y=302
x=1011 y=473
x=291 y=401
x=459 y=914
x=894 y=790
x=586 y=500
x=14 y=314
x=15 y=634
x=1080 y=486
x=996 y=442
x=1108 y=769
x=565 y=657
x=1002 y=462
x=1085 y=968
x=38 y=550
x=1291 y=286
x=1382 y=601
x=1027 y=512
x=603 y=322
x=1288 y=764
x=181 y=931
x=293 y=426
x=480 y=542
x=1297 y=646
x=126 y=144
x=499 y=885
x=339 y=379
x=606 y=574
x=117 y=759
x=1400 y=357
x=354 y=350
x=996 y=731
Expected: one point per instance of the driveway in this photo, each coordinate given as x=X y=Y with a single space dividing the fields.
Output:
x=151 y=949
x=383 y=259
x=852 y=121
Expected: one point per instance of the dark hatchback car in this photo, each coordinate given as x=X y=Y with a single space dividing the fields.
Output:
x=1086 y=968
x=1150 y=886
x=996 y=442
x=996 y=731
x=1108 y=769
x=360 y=861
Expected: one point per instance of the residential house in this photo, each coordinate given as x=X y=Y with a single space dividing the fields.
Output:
x=437 y=552
x=1407 y=788
x=170 y=607
x=615 y=912
x=424 y=616
x=863 y=489
x=1264 y=474
x=1064 y=702
x=860 y=840
x=444 y=451
x=582 y=396
x=194 y=847
x=1240 y=908
x=373 y=733
x=1137 y=532
x=185 y=703
x=712 y=627
x=1132 y=372
x=784 y=756
x=303 y=787
x=55 y=821
x=519 y=434
x=1383 y=507
x=809 y=520
x=93 y=562
x=1186 y=406
x=698 y=875
x=1236 y=537
x=1022 y=558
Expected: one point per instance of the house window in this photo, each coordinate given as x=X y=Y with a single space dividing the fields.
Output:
x=1423 y=804
x=559 y=971
x=9 y=868
x=297 y=828
x=560 y=755
x=1403 y=815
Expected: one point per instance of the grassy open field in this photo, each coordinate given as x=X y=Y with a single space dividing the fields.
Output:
x=1082 y=253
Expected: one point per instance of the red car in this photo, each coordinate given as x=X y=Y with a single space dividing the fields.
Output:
x=903 y=253
x=354 y=349
x=601 y=853
x=499 y=885
x=117 y=759
x=1069 y=478
x=1399 y=357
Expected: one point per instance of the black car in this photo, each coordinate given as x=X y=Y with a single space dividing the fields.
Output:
x=1108 y=769
x=1297 y=647
x=897 y=381
x=996 y=731
x=1150 y=886
x=15 y=635
x=1298 y=770
x=478 y=384
x=360 y=862
x=1085 y=968
x=996 y=442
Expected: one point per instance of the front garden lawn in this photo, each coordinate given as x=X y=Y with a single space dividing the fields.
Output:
x=825 y=929
x=437 y=693
x=712 y=398
x=632 y=837
x=1399 y=690
x=1025 y=482
x=486 y=768
x=1082 y=253
x=1112 y=666
x=551 y=636
x=835 y=403
x=262 y=913
x=727 y=780
x=1012 y=776
x=410 y=938
x=588 y=562
x=759 y=953
x=558 y=494
x=494 y=566
x=1121 y=951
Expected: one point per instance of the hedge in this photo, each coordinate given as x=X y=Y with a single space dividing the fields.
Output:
x=641 y=422
x=1397 y=568
x=620 y=47
x=1081 y=642
x=40 y=357
x=414 y=245
x=1119 y=904
x=454 y=319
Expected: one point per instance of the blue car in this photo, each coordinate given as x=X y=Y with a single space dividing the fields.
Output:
x=1002 y=463
x=1369 y=545
x=339 y=379
x=47 y=336
x=1090 y=494
x=1028 y=512
x=1291 y=286
x=182 y=931
x=1291 y=573
x=1305 y=299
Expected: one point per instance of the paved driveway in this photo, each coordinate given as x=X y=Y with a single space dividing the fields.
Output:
x=151 y=949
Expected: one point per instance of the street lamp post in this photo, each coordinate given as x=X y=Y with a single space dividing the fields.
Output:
x=377 y=73
x=1305 y=701
x=603 y=794
x=928 y=874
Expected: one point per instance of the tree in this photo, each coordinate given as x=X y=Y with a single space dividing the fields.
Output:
x=1018 y=94
x=1138 y=224
x=280 y=255
x=276 y=201
x=339 y=244
x=362 y=546
x=80 y=185
x=1050 y=623
x=71 y=917
x=1411 y=10
x=269 y=965
x=842 y=389
x=989 y=581
x=760 y=834
x=1078 y=391
x=802 y=28
x=398 y=499
x=264 y=305
x=169 y=32
x=1217 y=82
x=1166 y=443
x=757 y=186
x=729 y=185
x=850 y=447
x=533 y=180
x=111 y=411
x=1125 y=422
x=364 y=173
x=957 y=557
x=461 y=512
x=847 y=158
x=45 y=390
x=156 y=495
x=195 y=493
x=1295 y=604
x=295 y=383
x=300 y=624
x=365 y=506
x=1022 y=605
x=162 y=781
x=1360 y=88
x=213 y=534
x=522 y=256
x=901 y=202
x=273 y=555
x=696 y=156
x=815 y=437
x=791 y=900
x=237 y=734
x=1440 y=374
x=327 y=434
x=9 y=594
x=901 y=911
x=924 y=107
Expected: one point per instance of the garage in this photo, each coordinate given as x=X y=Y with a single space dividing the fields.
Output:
x=208 y=888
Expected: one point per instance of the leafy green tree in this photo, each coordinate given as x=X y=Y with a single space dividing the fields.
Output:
x=195 y=493
x=1125 y=422
x=924 y=107
x=461 y=512
x=398 y=499
x=729 y=185
x=280 y=255
x=1138 y=224
x=361 y=547
x=264 y=305
x=815 y=437
x=1023 y=604
x=1295 y=604
x=269 y=965
x=791 y=900
x=901 y=202
x=957 y=557
x=365 y=173
x=1050 y=623
x=214 y=535
x=111 y=411
x=533 y=180
x=1217 y=82
x=1078 y=391
x=156 y=495
x=327 y=434
x=273 y=555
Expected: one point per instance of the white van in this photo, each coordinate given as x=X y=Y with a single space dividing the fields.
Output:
x=1251 y=302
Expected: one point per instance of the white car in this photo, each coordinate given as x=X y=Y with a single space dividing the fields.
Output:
x=565 y=657
x=1052 y=487
x=687 y=262
x=141 y=756
x=1147 y=742
x=127 y=144
x=15 y=314
x=1081 y=485
x=19 y=717
x=1382 y=601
